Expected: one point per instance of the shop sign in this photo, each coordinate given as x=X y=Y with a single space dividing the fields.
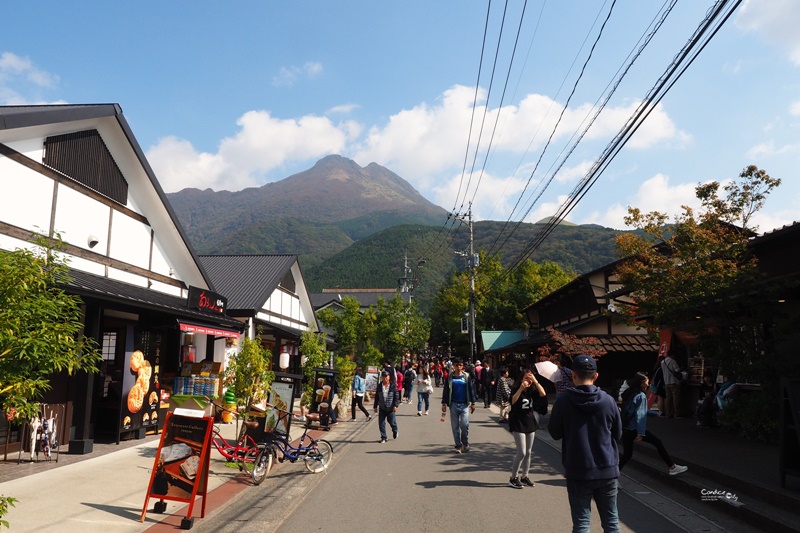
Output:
x=205 y=300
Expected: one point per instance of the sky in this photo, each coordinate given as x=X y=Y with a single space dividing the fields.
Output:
x=479 y=104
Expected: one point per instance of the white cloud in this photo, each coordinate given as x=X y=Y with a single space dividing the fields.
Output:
x=776 y=21
x=769 y=149
x=263 y=144
x=655 y=194
x=288 y=76
x=343 y=109
x=22 y=82
x=794 y=108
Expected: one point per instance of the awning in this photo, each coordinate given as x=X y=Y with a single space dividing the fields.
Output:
x=208 y=330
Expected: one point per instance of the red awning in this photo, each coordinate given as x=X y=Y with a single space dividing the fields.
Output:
x=208 y=330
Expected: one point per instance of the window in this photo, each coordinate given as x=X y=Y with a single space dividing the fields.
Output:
x=109 y=347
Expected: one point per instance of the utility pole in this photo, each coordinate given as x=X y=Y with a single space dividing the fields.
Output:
x=472 y=263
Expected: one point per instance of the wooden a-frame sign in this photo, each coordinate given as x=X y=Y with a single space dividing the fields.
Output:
x=180 y=469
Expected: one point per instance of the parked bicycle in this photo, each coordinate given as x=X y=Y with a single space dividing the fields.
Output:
x=316 y=454
x=243 y=452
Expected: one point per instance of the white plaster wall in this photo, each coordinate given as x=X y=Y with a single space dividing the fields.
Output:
x=78 y=216
x=127 y=277
x=161 y=263
x=130 y=240
x=168 y=289
x=85 y=265
x=27 y=197
x=33 y=147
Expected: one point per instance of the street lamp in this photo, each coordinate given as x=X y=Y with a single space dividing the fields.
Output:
x=283 y=361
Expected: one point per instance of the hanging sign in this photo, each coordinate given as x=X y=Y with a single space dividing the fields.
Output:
x=206 y=300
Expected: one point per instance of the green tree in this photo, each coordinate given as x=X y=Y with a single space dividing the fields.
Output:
x=500 y=297
x=400 y=326
x=248 y=374
x=312 y=347
x=40 y=327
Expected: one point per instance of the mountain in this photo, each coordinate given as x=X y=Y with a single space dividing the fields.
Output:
x=319 y=211
x=353 y=226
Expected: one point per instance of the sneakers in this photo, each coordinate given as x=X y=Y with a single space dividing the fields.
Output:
x=419 y=413
x=394 y=434
x=458 y=449
x=352 y=420
x=426 y=413
x=527 y=481
x=514 y=482
x=383 y=441
x=674 y=470
x=302 y=418
x=466 y=448
x=369 y=418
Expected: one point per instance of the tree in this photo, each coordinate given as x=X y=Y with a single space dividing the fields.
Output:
x=698 y=274
x=570 y=345
x=312 y=347
x=700 y=263
x=40 y=327
x=399 y=326
x=248 y=374
x=500 y=297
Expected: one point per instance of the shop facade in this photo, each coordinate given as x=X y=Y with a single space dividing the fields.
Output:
x=77 y=171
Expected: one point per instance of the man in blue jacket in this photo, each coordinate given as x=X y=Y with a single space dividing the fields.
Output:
x=459 y=394
x=588 y=420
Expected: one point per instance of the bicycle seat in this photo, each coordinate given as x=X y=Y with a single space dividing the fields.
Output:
x=314 y=417
x=252 y=424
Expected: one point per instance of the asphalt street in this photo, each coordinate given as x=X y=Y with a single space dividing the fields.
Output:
x=417 y=483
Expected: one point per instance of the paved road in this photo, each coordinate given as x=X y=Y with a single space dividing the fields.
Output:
x=416 y=483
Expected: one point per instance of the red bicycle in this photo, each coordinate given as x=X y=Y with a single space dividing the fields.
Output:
x=244 y=451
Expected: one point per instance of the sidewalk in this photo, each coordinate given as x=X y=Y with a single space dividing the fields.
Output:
x=721 y=461
x=105 y=490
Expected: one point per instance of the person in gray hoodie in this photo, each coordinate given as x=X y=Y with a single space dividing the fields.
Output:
x=589 y=422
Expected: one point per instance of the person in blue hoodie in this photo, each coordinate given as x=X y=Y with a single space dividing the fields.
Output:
x=634 y=424
x=588 y=421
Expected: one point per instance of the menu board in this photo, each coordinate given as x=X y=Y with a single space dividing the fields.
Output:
x=140 y=395
x=180 y=469
x=281 y=396
x=371 y=379
x=323 y=391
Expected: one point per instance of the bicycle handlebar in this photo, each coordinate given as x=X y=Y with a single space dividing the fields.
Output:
x=221 y=407
x=279 y=409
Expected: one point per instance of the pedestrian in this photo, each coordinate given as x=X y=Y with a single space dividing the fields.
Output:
x=424 y=390
x=387 y=398
x=459 y=395
x=477 y=373
x=634 y=424
x=359 y=389
x=562 y=378
x=438 y=371
x=408 y=382
x=398 y=376
x=503 y=394
x=589 y=421
x=523 y=421
x=489 y=381
x=671 y=373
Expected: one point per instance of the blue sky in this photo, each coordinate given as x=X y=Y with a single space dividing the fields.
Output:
x=228 y=95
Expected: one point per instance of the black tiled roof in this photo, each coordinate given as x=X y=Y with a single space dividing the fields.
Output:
x=246 y=280
x=101 y=288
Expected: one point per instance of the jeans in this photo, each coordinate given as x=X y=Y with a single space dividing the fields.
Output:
x=604 y=492
x=382 y=417
x=423 y=396
x=358 y=401
x=524 y=442
x=629 y=436
x=459 y=422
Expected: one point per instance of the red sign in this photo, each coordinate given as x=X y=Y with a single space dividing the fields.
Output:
x=208 y=330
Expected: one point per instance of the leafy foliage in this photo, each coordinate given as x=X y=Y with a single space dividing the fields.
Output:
x=40 y=327
x=248 y=374
x=312 y=347
x=5 y=503
x=500 y=298
x=570 y=345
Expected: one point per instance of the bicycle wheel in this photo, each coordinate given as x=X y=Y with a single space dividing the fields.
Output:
x=262 y=465
x=319 y=457
x=247 y=460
